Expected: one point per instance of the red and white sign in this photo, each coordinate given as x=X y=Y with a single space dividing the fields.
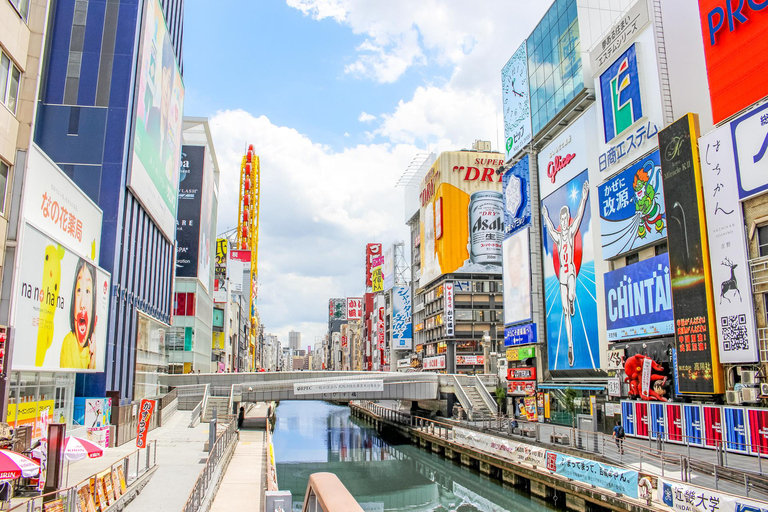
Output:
x=521 y=387
x=381 y=328
x=343 y=341
x=354 y=308
x=448 y=308
x=371 y=251
x=464 y=360
x=527 y=373
x=238 y=255
x=142 y=428
x=434 y=363
x=736 y=53
x=438 y=218
x=565 y=157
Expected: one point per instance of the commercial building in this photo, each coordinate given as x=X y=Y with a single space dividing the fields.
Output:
x=294 y=340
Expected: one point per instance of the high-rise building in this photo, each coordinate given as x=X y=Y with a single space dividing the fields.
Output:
x=294 y=340
x=110 y=115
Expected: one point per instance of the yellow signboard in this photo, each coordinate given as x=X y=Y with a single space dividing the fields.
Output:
x=218 y=341
x=377 y=280
x=36 y=414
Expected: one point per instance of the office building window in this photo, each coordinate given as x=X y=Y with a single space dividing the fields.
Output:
x=762 y=240
x=22 y=6
x=4 y=168
x=633 y=258
x=662 y=249
x=10 y=76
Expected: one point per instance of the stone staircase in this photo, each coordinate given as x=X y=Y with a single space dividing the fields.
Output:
x=218 y=403
x=479 y=408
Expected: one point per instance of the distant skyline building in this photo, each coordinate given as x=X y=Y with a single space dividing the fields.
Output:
x=294 y=340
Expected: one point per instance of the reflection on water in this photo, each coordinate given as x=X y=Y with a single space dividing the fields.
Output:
x=382 y=475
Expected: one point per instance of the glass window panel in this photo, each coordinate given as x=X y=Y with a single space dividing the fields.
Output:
x=3 y=184
x=13 y=89
x=762 y=240
x=4 y=65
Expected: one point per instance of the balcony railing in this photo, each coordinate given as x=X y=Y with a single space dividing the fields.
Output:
x=759 y=267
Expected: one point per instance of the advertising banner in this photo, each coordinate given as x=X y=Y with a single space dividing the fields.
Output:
x=520 y=353
x=566 y=156
x=713 y=425
x=434 y=363
x=352 y=386
x=693 y=424
x=220 y=271
x=750 y=132
x=448 y=308
x=758 y=431
x=35 y=414
x=656 y=420
x=736 y=432
x=146 y=409
x=521 y=387
x=462 y=215
x=632 y=210
x=569 y=277
x=59 y=208
x=623 y=481
x=516 y=183
x=371 y=251
x=674 y=422
x=388 y=268
x=690 y=498
x=354 y=308
x=516 y=101
x=381 y=329
x=154 y=163
x=516 y=276
x=638 y=300
x=501 y=447
x=628 y=417
x=620 y=36
x=377 y=279
x=470 y=360
x=337 y=309
x=643 y=422
x=698 y=364
x=190 y=205
x=729 y=261
x=62 y=304
x=735 y=52
x=525 y=373
x=402 y=326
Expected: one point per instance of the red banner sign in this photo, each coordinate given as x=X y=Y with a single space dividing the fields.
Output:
x=145 y=415
x=527 y=373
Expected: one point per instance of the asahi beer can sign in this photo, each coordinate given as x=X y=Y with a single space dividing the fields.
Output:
x=486 y=227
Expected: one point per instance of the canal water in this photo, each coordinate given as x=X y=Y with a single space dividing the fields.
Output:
x=382 y=474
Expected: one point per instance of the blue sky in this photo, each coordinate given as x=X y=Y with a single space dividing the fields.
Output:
x=338 y=97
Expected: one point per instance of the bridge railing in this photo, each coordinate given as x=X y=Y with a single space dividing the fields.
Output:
x=221 y=448
x=463 y=397
x=326 y=493
x=488 y=399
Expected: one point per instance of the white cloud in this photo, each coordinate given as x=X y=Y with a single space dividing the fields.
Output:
x=365 y=117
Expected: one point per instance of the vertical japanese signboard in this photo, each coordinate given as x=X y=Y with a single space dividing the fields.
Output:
x=354 y=308
x=734 y=310
x=371 y=251
x=698 y=363
x=337 y=309
x=402 y=326
x=142 y=428
x=448 y=308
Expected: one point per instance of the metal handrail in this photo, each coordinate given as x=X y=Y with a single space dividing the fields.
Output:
x=223 y=442
x=463 y=398
x=486 y=396
x=326 y=493
x=69 y=494
x=197 y=414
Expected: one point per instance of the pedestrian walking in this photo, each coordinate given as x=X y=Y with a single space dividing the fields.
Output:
x=618 y=435
x=241 y=418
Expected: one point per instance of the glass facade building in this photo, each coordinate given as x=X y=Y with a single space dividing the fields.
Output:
x=555 y=74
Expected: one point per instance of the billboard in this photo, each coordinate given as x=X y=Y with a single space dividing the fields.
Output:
x=220 y=271
x=621 y=34
x=566 y=156
x=569 y=277
x=188 y=240
x=371 y=251
x=519 y=335
x=516 y=101
x=620 y=95
x=517 y=197
x=434 y=363
x=402 y=325
x=729 y=261
x=684 y=497
x=62 y=304
x=638 y=300
x=461 y=215
x=516 y=275
x=632 y=210
x=388 y=268
x=750 y=133
x=337 y=309
x=698 y=364
x=448 y=311
x=736 y=52
x=354 y=308
x=154 y=163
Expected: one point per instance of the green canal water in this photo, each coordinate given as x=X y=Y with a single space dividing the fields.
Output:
x=381 y=473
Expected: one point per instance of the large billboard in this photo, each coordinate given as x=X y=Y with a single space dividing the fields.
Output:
x=516 y=184
x=569 y=277
x=462 y=215
x=517 y=278
x=402 y=325
x=698 y=364
x=337 y=309
x=388 y=268
x=159 y=100
x=750 y=136
x=62 y=304
x=736 y=53
x=638 y=300
x=190 y=204
x=728 y=256
x=354 y=308
x=372 y=251
x=632 y=210
x=516 y=101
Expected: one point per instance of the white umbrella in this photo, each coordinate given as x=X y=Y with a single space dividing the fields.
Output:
x=14 y=465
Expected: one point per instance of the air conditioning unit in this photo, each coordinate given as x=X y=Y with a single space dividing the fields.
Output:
x=764 y=389
x=749 y=377
x=750 y=395
x=733 y=397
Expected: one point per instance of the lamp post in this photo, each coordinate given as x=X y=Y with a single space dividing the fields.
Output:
x=486 y=343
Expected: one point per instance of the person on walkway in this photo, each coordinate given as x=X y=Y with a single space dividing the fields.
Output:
x=618 y=435
x=241 y=418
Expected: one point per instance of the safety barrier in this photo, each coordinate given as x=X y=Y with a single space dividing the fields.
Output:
x=221 y=447
x=326 y=493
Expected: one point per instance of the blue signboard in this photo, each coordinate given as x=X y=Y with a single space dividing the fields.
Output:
x=632 y=211
x=692 y=422
x=628 y=417
x=620 y=95
x=517 y=197
x=656 y=424
x=638 y=300
x=573 y=341
x=623 y=481
x=402 y=326
x=519 y=335
x=735 y=419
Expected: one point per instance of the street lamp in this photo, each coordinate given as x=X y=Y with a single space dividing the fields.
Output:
x=486 y=344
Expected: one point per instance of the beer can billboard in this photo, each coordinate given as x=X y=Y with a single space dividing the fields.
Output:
x=462 y=215
x=698 y=363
